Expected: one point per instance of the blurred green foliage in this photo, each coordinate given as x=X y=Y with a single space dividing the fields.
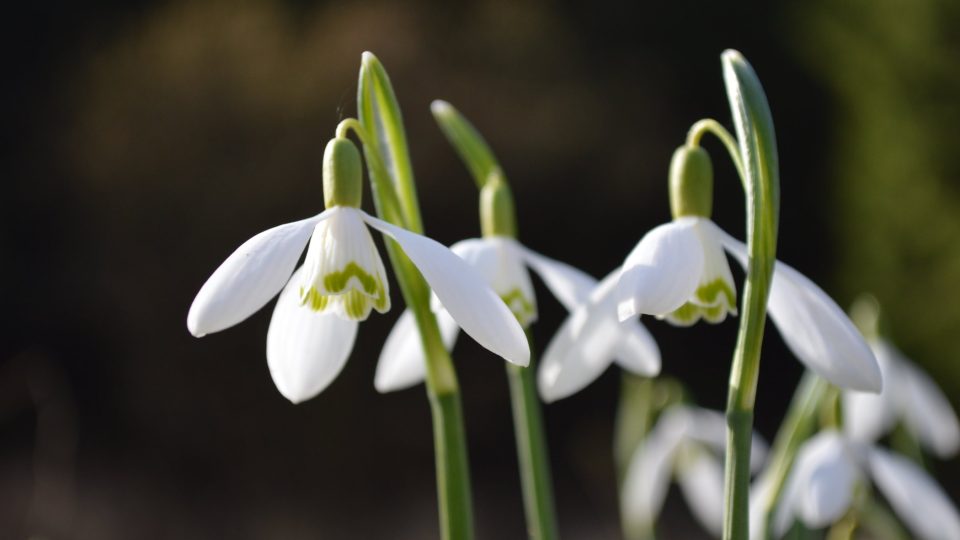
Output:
x=895 y=77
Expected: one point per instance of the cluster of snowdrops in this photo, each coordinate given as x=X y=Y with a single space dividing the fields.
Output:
x=826 y=459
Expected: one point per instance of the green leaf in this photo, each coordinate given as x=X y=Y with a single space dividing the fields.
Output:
x=467 y=141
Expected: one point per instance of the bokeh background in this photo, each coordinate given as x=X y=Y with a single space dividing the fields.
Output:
x=145 y=140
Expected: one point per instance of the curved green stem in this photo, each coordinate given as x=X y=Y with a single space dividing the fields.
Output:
x=532 y=453
x=709 y=125
x=757 y=150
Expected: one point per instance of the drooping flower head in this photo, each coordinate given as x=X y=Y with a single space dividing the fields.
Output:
x=341 y=281
x=685 y=443
x=505 y=265
x=678 y=272
x=830 y=470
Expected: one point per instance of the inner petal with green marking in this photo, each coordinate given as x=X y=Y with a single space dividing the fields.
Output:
x=523 y=308
x=351 y=293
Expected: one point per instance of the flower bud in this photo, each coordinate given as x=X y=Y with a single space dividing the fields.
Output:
x=342 y=174
x=497 y=214
x=691 y=182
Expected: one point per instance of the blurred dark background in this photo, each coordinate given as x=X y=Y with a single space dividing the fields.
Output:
x=145 y=140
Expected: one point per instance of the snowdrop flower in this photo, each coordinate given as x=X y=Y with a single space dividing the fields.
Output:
x=829 y=469
x=687 y=442
x=678 y=272
x=909 y=395
x=589 y=340
x=342 y=279
x=505 y=264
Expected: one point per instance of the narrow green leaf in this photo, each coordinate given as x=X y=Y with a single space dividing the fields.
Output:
x=467 y=141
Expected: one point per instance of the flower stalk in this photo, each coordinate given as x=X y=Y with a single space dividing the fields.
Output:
x=498 y=220
x=758 y=155
x=380 y=128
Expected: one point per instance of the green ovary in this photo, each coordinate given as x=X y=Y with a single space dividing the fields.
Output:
x=522 y=308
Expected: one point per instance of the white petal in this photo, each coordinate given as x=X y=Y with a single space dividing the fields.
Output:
x=868 y=416
x=402 y=363
x=917 y=499
x=817 y=331
x=464 y=294
x=701 y=480
x=648 y=475
x=571 y=286
x=250 y=277
x=662 y=271
x=305 y=349
x=500 y=261
x=710 y=427
x=928 y=412
x=827 y=476
x=636 y=351
x=588 y=341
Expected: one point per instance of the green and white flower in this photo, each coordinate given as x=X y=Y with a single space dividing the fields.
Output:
x=830 y=468
x=504 y=264
x=686 y=443
x=342 y=279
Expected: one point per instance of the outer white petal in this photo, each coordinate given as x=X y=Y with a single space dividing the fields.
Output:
x=305 y=349
x=402 y=363
x=916 y=498
x=648 y=475
x=928 y=412
x=464 y=294
x=588 y=341
x=868 y=416
x=701 y=479
x=250 y=277
x=817 y=331
x=827 y=476
x=662 y=271
x=572 y=287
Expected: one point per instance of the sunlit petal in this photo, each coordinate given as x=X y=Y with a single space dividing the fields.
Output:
x=710 y=427
x=589 y=340
x=817 y=331
x=402 y=363
x=662 y=271
x=305 y=349
x=500 y=261
x=928 y=412
x=701 y=479
x=571 y=286
x=916 y=498
x=250 y=277
x=868 y=416
x=648 y=475
x=464 y=294
x=827 y=475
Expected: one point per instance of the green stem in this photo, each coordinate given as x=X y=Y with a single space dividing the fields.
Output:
x=709 y=125
x=532 y=453
x=758 y=153
x=798 y=424
x=877 y=519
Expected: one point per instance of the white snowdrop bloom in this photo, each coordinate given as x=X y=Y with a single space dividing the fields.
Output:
x=678 y=271
x=909 y=395
x=822 y=483
x=504 y=263
x=589 y=340
x=686 y=443
x=342 y=279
